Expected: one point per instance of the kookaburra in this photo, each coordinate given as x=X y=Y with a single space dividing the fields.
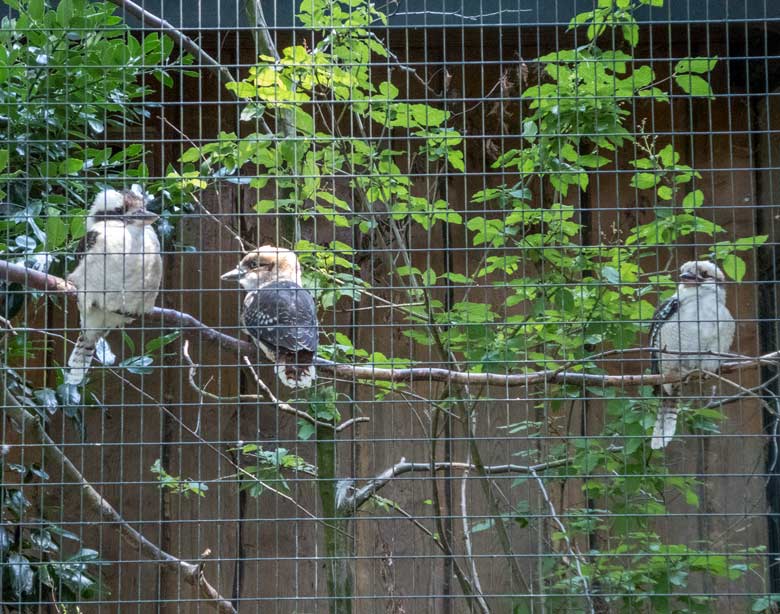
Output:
x=118 y=272
x=694 y=319
x=278 y=313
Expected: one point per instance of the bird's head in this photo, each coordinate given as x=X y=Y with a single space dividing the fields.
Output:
x=128 y=206
x=265 y=265
x=700 y=275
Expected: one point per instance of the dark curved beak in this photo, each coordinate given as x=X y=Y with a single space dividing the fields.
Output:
x=689 y=277
x=143 y=216
x=233 y=275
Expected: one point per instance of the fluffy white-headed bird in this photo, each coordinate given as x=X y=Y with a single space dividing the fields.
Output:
x=118 y=271
x=278 y=313
x=694 y=319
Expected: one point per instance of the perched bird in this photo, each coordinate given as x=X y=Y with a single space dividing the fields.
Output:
x=278 y=313
x=694 y=319
x=118 y=271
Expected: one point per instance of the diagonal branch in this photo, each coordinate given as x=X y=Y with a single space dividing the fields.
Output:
x=280 y=405
x=33 y=432
x=192 y=327
x=181 y=39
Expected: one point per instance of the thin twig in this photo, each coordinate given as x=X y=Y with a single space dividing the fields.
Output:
x=267 y=396
x=285 y=407
x=464 y=515
x=562 y=528
x=239 y=470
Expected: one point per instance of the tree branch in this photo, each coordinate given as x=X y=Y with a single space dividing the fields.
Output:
x=565 y=534
x=376 y=484
x=181 y=39
x=268 y=395
x=32 y=431
x=189 y=325
x=36 y=280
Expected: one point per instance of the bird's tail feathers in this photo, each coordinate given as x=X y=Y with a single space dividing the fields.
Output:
x=665 y=427
x=81 y=357
x=296 y=376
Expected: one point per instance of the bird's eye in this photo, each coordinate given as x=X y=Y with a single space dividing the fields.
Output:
x=251 y=265
x=704 y=274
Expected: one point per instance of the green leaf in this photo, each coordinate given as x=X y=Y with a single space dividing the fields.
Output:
x=64 y=12
x=387 y=90
x=71 y=166
x=36 y=9
x=765 y=603
x=140 y=365
x=665 y=192
x=128 y=342
x=643 y=181
x=158 y=342
x=631 y=34
x=668 y=156
x=103 y=353
x=242 y=89
x=265 y=206
x=20 y=573
x=693 y=200
x=696 y=65
x=694 y=85
x=56 y=230
x=305 y=430
x=734 y=267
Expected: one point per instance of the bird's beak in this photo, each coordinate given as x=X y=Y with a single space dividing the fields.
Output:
x=233 y=275
x=143 y=216
x=689 y=277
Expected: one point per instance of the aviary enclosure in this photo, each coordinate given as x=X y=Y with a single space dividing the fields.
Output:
x=488 y=200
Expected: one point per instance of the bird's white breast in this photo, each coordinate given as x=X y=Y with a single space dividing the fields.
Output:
x=701 y=324
x=122 y=271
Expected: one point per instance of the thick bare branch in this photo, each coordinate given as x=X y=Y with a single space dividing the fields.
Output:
x=57 y=462
x=189 y=325
x=376 y=484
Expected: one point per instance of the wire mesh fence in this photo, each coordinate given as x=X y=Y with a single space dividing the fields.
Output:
x=340 y=306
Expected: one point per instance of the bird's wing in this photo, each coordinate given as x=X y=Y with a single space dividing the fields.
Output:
x=283 y=316
x=86 y=243
x=665 y=311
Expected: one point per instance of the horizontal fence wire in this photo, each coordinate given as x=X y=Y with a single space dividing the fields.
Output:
x=339 y=306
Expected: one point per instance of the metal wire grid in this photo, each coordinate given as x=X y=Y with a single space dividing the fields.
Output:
x=265 y=551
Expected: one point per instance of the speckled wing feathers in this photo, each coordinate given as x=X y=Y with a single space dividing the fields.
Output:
x=283 y=316
x=665 y=311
